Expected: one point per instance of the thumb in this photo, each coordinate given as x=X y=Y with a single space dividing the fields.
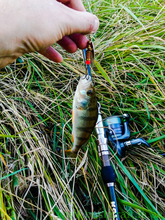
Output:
x=85 y=23
x=78 y=22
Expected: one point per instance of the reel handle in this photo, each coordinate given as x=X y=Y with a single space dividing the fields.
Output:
x=137 y=141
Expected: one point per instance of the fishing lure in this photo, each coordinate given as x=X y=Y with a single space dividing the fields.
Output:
x=84 y=114
x=88 y=55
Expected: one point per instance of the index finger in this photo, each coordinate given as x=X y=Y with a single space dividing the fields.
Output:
x=74 y=4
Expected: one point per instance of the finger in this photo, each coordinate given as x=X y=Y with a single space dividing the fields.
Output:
x=4 y=61
x=80 y=40
x=51 y=54
x=75 y=4
x=68 y=44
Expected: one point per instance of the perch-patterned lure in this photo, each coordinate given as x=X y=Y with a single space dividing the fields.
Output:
x=84 y=114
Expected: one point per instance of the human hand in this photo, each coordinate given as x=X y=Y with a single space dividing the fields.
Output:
x=34 y=25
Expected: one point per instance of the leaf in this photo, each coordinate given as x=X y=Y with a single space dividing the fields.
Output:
x=104 y=74
x=132 y=14
x=11 y=174
x=5 y=214
x=2 y=158
x=156 y=139
x=135 y=183
x=138 y=207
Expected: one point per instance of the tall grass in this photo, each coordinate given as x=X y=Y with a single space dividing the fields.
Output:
x=37 y=181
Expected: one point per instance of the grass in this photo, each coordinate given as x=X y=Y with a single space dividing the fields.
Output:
x=37 y=181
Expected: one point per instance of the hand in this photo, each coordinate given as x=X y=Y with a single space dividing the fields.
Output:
x=34 y=25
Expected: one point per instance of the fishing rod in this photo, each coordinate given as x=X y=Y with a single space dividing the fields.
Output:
x=107 y=172
x=113 y=130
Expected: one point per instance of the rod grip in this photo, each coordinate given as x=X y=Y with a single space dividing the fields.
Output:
x=108 y=174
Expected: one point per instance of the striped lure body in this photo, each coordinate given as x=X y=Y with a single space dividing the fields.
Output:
x=84 y=114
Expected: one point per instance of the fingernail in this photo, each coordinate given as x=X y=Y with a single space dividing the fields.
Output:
x=96 y=25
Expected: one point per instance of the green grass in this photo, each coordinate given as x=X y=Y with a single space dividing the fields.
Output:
x=39 y=182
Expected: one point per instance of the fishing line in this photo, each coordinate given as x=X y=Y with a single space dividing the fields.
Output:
x=63 y=146
x=88 y=56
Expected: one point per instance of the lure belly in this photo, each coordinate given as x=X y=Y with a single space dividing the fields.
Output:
x=84 y=114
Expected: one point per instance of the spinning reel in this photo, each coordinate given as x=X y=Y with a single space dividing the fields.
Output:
x=117 y=132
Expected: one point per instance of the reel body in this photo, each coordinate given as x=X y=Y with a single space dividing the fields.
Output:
x=117 y=131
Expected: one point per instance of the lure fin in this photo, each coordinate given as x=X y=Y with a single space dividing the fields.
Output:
x=72 y=117
x=69 y=153
x=72 y=138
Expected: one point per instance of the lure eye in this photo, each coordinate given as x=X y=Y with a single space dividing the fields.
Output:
x=89 y=92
